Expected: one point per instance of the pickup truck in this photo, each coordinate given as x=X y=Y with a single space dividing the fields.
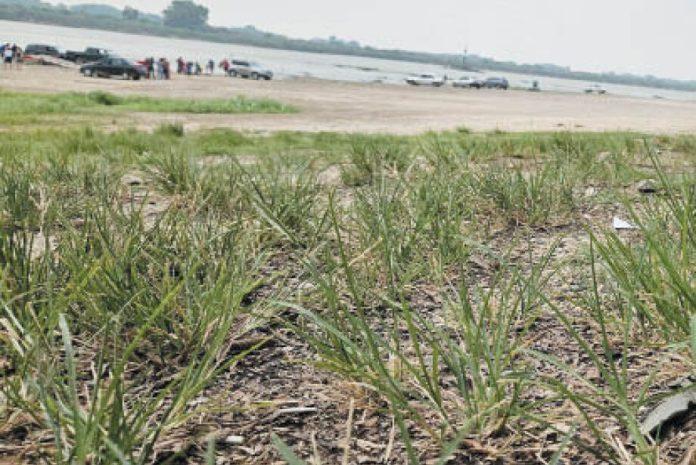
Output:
x=89 y=55
x=425 y=80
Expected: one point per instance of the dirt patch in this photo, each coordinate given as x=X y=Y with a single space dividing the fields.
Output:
x=330 y=176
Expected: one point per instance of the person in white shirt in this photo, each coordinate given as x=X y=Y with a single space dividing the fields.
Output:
x=8 y=56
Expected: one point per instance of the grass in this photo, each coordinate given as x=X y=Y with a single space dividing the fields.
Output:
x=25 y=108
x=462 y=289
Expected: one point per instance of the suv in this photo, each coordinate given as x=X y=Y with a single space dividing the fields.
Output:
x=41 y=49
x=425 y=80
x=467 y=82
x=249 y=70
x=496 y=83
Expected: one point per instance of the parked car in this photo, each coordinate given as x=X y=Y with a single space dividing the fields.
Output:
x=496 y=83
x=425 y=80
x=249 y=70
x=113 y=66
x=596 y=88
x=90 y=54
x=42 y=50
x=467 y=82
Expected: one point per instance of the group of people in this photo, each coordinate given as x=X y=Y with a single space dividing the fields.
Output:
x=188 y=68
x=157 y=69
x=12 y=55
x=194 y=68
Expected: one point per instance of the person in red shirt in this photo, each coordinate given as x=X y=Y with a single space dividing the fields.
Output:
x=225 y=65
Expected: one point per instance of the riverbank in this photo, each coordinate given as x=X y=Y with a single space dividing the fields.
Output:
x=250 y=36
x=373 y=108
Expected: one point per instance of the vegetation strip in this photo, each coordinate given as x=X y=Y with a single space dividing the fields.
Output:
x=220 y=296
x=17 y=107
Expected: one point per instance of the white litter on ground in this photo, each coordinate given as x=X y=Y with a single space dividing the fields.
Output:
x=621 y=224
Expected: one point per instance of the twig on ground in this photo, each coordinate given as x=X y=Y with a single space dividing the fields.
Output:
x=349 y=432
x=390 y=444
x=316 y=456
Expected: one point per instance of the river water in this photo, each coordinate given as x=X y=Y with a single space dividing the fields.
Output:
x=286 y=64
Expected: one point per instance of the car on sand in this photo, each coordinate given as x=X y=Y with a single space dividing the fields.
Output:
x=249 y=70
x=426 y=80
x=496 y=83
x=113 y=67
x=595 y=88
x=89 y=55
x=467 y=82
x=42 y=50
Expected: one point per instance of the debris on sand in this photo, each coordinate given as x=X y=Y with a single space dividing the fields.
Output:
x=646 y=186
x=234 y=440
x=622 y=224
x=670 y=411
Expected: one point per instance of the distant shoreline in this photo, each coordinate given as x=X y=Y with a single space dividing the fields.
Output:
x=250 y=36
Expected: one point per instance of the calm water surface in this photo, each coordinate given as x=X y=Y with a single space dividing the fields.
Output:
x=286 y=64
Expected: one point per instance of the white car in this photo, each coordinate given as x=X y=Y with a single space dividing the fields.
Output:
x=596 y=88
x=467 y=82
x=426 y=80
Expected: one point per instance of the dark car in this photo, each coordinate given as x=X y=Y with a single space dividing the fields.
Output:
x=42 y=50
x=111 y=67
x=496 y=83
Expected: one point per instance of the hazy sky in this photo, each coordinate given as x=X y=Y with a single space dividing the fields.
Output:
x=639 y=36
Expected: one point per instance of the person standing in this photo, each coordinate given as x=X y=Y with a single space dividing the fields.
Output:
x=7 y=56
x=160 y=69
x=225 y=65
x=18 y=56
x=166 y=68
x=180 y=66
x=211 y=66
x=151 y=68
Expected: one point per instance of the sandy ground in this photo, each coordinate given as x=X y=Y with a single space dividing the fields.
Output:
x=353 y=107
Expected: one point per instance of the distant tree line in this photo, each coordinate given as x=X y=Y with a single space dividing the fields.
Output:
x=187 y=20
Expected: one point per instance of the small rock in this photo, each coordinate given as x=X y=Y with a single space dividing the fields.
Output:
x=577 y=288
x=590 y=191
x=306 y=286
x=131 y=180
x=647 y=186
